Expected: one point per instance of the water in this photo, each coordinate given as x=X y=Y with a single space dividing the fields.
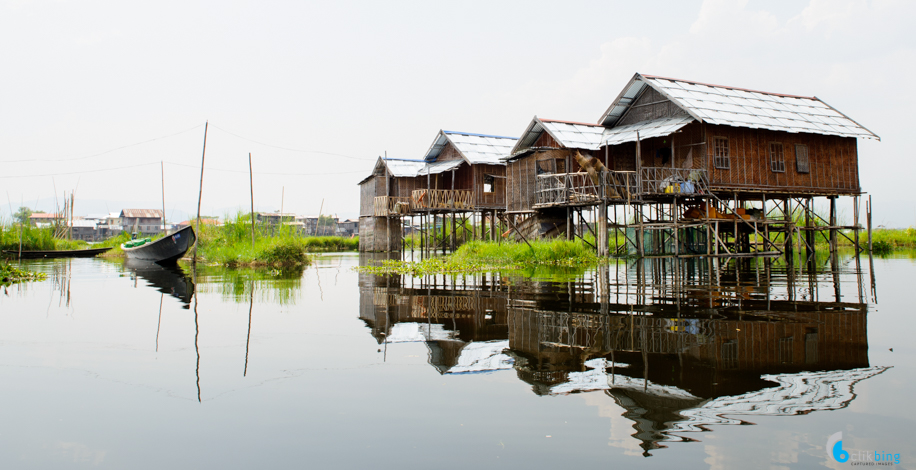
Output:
x=687 y=364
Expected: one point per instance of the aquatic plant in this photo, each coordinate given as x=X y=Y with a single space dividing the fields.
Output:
x=10 y=274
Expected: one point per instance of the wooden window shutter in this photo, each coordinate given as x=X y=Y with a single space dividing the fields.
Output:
x=801 y=159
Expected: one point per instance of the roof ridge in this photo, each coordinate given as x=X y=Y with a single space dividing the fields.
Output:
x=694 y=82
x=571 y=122
x=478 y=135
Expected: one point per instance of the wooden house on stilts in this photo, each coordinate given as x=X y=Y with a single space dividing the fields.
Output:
x=458 y=192
x=695 y=169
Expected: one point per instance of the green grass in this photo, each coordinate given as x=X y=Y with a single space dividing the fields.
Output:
x=34 y=238
x=479 y=256
x=231 y=244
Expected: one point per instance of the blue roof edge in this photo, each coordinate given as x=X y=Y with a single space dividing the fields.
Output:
x=479 y=135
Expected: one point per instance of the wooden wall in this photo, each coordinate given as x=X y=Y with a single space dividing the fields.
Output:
x=650 y=105
x=521 y=174
x=368 y=190
x=833 y=161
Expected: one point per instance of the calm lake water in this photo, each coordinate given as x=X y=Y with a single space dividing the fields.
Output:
x=659 y=364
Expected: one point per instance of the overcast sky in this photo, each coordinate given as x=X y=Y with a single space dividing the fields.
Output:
x=93 y=95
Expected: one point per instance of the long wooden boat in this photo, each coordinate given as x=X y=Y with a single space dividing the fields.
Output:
x=166 y=250
x=35 y=254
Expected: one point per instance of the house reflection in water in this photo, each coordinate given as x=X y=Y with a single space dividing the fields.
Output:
x=678 y=344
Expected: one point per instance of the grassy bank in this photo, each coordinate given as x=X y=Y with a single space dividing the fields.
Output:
x=231 y=245
x=479 y=256
x=10 y=274
x=34 y=238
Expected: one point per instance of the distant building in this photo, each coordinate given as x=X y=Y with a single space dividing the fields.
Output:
x=274 y=218
x=348 y=228
x=43 y=219
x=84 y=229
x=147 y=221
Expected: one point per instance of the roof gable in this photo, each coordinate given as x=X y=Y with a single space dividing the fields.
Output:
x=569 y=134
x=475 y=149
x=739 y=107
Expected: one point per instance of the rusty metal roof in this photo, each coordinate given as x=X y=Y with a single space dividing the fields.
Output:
x=142 y=213
x=739 y=107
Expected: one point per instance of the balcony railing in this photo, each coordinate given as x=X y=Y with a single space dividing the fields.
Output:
x=389 y=206
x=583 y=188
x=441 y=199
x=660 y=180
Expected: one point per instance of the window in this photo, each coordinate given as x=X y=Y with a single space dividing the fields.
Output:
x=777 y=161
x=801 y=159
x=720 y=153
x=489 y=184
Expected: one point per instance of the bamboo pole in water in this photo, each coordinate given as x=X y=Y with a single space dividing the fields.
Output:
x=200 y=195
x=251 y=181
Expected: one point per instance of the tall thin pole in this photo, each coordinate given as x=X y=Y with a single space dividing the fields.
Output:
x=251 y=180
x=162 y=171
x=200 y=195
x=70 y=236
x=318 y=222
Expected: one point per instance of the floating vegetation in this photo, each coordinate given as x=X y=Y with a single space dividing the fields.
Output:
x=10 y=274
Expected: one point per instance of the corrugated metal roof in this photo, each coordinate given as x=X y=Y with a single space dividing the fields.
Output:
x=477 y=149
x=404 y=168
x=142 y=213
x=715 y=104
x=578 y=135
x=435 y=168
x=646 y=129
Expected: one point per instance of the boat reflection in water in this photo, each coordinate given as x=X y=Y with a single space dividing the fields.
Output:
x=169 y=279
x=678 y=344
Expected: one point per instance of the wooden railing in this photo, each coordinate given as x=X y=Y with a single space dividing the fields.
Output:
x=441 y=199
x=660 y=180
x=388 y=206
x=584 y=188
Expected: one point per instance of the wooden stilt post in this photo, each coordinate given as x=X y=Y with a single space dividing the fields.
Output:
x=855 y=223
x=832 y=223
x=868 y=220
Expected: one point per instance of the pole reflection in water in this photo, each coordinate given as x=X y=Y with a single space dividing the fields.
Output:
x=680 y=345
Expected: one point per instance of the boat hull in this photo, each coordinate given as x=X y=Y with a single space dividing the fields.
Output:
x=166 y=250
x=57 y=254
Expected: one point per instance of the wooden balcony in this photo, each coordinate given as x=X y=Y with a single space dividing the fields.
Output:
x=580 y=189
x=389 y=206
x=431 y=200
x=575 y=189
x=661 y=180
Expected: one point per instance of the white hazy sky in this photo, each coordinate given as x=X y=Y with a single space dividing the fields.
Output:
x=94 y=94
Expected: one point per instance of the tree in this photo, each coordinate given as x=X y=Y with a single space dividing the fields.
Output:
x=22 y=215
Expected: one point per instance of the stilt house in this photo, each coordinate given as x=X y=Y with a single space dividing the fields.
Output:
x=383 y=197
x=671 y=150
